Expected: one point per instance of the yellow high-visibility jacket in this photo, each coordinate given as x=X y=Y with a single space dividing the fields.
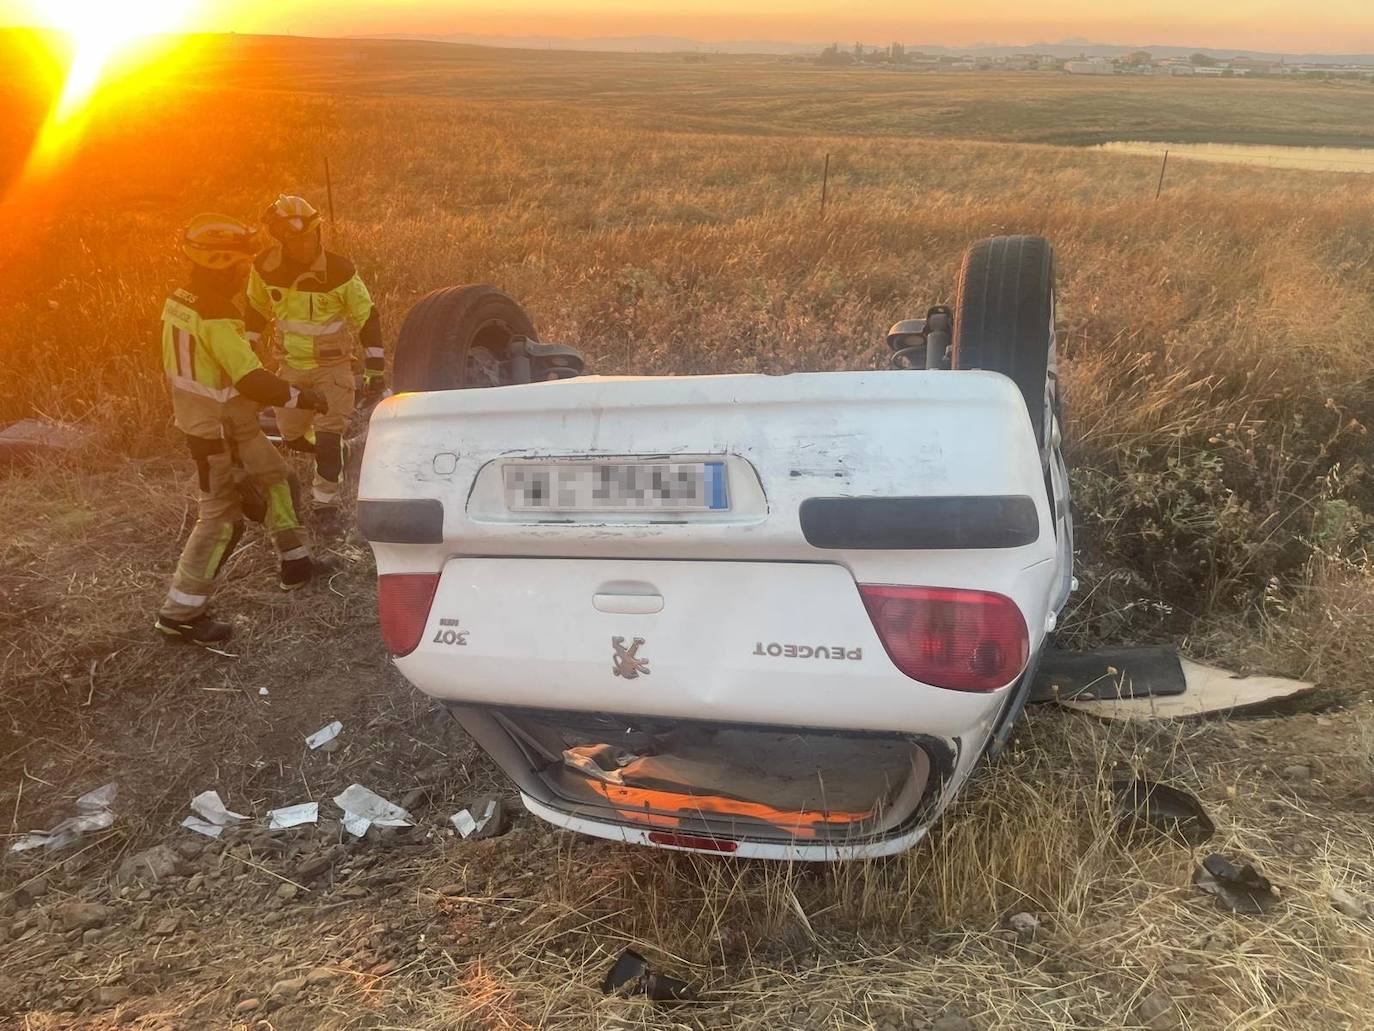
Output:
x=209 y=361
x=315 y=310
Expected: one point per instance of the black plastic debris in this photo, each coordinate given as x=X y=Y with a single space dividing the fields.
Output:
x=629 y=969
x=662 y=988
x=1144 y=806
x=631 y=975
x=1241 y=889
x=1105 y=673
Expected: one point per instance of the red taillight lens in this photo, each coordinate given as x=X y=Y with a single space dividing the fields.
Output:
x=403 y=601
x=964 y=640
x=692 y=841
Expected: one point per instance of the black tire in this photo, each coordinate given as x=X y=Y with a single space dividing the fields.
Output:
x=438 y=333
x=1004 y=319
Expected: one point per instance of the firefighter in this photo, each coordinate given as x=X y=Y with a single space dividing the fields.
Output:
x=217 y=387
x=314 y=299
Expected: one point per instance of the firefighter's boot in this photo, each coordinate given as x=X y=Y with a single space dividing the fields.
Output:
x=297 y=572
x=201 y=630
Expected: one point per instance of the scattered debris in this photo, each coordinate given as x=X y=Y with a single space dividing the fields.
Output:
x=1170 y=811
x=211 y=816
x=94 y=812
x=262 y=692
x=324 y=735
x=363 y=809
x=1241 y=889
x=293 y=815
x=489 y=825
x=1346 y=903
x=662 y=988
x=1210 y=690
x=631 y=975
x=629 y=970
x=1108 y=673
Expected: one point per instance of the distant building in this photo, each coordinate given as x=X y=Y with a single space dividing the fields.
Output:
x=1254 y=66
x=1090 y=67
x=896 y=53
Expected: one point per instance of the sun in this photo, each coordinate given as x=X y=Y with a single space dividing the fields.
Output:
x=98 y=35
x=99 y=31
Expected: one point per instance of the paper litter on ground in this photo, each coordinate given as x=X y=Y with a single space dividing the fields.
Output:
x=363 y=808
x=324 y=735
x=209 y=807
x=293 y=815
x=464 y=823
x=195 y=823
x=93 y=813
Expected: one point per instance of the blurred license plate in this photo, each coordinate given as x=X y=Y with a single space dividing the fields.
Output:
x=617 y=487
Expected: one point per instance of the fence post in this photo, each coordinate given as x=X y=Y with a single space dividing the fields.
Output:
x=1162 y=167
x=329 y=190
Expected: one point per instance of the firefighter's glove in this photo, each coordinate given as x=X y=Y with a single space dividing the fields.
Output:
x=373 y=388
x=313 y=400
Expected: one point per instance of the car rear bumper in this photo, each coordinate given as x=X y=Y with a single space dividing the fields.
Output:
x=772 y=792
x=794 y=851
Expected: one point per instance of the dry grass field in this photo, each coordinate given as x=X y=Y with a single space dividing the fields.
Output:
x=664 y=217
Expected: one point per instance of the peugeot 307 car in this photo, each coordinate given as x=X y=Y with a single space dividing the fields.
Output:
x=769 y=616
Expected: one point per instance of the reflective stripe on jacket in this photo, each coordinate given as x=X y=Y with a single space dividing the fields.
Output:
x=204 y=353
x=315 y=310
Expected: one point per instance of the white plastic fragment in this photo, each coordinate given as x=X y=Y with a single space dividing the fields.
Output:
x=262 y=691
x=293 y=815
x=210 y=808
x=324 y=735
x=99 y=798
x=195 y=823
x=362 y=808
x=93 y=813
x=464 y=823
x=1209 y=690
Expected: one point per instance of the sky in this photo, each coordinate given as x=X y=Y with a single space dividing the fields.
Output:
x=1332 y=26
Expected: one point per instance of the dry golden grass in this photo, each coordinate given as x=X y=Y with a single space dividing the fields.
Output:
x=1216 y=348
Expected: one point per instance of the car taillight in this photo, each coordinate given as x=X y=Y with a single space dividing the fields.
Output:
x=963 y=640
x=692 y=841
x=403 y=601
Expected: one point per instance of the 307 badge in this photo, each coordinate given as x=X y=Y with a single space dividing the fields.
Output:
x=626 y=661
x=449 y=633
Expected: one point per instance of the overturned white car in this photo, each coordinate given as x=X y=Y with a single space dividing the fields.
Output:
x=771 y=616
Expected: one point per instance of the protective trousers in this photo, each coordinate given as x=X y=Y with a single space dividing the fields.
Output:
x=219 y=520
x=335 y=382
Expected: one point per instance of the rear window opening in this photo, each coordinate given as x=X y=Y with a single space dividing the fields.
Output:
x=718 y=780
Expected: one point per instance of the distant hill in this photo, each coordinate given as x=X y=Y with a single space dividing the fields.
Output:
x=681 y=44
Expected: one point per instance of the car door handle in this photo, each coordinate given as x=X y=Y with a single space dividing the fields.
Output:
x=628 y=604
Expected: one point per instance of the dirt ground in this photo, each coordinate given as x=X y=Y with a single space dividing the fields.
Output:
x=147 y=924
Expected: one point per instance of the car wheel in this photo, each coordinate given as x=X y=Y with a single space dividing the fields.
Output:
x=445 y=326
x=1004 y=322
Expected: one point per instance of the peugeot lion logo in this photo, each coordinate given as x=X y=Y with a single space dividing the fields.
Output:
x=626 y=662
